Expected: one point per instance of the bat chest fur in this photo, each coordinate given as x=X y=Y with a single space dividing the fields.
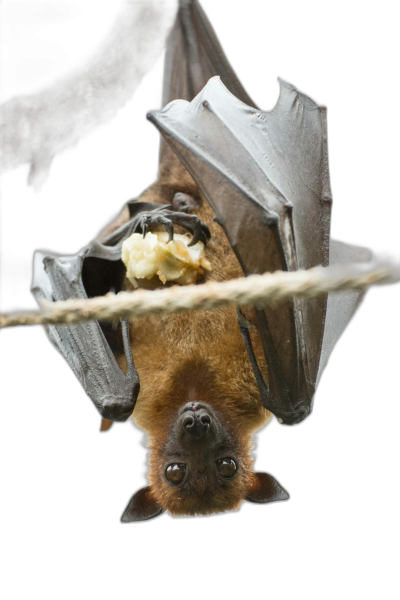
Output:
x=196 y=356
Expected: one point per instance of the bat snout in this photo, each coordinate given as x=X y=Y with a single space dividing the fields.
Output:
x=196 y=424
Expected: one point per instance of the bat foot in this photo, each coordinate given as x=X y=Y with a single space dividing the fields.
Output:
x=167 y=218
x=185 y=203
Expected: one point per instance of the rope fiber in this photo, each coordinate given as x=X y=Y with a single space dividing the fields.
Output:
x=255 y=290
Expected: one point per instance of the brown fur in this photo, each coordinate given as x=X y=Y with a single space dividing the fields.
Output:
x=205 y=493
x=196 y=356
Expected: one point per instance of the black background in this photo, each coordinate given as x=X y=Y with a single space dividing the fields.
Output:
x=63 y=481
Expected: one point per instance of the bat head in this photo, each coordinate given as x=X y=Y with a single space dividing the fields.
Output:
x=203 y=465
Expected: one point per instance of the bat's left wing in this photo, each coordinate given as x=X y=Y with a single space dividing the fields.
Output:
x=95 y=271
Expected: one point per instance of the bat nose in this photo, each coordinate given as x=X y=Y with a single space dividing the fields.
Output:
x=196 y=424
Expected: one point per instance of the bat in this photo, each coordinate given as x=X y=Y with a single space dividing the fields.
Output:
x=253 y=186
x=305 y=88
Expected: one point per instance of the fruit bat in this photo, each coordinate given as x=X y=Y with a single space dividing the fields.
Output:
x=253 y=186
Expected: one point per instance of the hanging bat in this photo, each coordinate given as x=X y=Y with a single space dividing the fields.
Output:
x=254 y=187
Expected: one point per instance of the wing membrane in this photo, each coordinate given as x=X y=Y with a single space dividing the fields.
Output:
x=265 y=174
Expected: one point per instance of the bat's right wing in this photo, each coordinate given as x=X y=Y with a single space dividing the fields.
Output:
x=341 y=306
x=266 y=176
x=194 y=55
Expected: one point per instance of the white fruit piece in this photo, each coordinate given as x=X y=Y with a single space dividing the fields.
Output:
x=145 y=257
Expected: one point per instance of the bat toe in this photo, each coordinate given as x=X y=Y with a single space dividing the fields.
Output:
x=167 y=218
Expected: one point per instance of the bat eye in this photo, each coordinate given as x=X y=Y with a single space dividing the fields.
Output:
x=175 y=473
x=227 y=467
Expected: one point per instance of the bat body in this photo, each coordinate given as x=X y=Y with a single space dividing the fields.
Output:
x=197 y=359
x=185 y=334
x=259 y=184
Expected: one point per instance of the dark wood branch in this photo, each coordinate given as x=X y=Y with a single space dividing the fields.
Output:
x=34 y=129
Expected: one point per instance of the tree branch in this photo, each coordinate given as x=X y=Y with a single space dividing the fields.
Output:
x=33 y=129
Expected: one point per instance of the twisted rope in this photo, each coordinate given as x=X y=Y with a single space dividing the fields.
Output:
x=255 y=290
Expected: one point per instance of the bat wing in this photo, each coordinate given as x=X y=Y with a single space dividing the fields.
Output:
x=286 y=226
x=95 y=271
x=194 y=55
x=265 y=174
x=266 y=177
x=341 y=306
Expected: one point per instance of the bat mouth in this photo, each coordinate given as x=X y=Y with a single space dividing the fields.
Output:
x=193 y=407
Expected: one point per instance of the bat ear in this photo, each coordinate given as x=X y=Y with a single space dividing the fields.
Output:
x=141 y=507
x=266 y=488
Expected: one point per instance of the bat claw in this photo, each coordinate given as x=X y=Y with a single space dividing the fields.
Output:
x=169 y=227
x=201 y=232
x=167 y=218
